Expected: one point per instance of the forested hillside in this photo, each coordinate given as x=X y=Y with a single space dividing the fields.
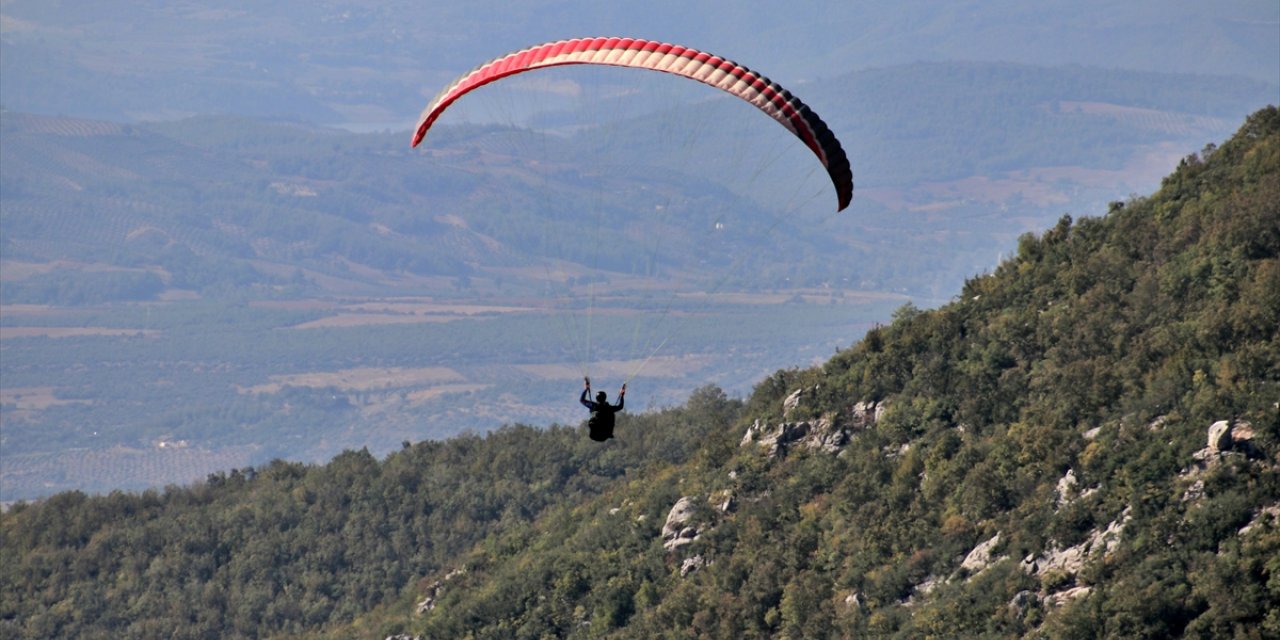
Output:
x=1084 y=443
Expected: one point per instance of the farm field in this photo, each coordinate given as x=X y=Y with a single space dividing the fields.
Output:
x=93 y=401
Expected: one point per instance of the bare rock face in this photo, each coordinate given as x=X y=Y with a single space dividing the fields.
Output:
x=435 y=588
x=723 y=500
x=1242 y=431
x=824 y=435
x=829 y=433
x=678 y=530
x=1219 y=436
x=692 y=564
x=980 y=557
x=1071 y=559
x=1267 y=518
x=775 y=439
x=854 y=600
x=1067 y=488
x=925 y=588
x=1063 y=597
x=864 y=415
x=792 y=402
x=821 y=434
x=1022 y=601
x=1226 y=438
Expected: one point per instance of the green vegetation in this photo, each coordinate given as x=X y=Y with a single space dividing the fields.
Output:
x=1056 y=411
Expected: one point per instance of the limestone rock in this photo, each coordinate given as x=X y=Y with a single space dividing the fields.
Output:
x=1267 y=518
x=1022 y=601
x=1242 y=430
x=677 y=531
x=853 y=600
x=930 y=583
x=792 y=402
x=1225 y=439
x=1219 y=436
x=1063 y=597
x=821 y=434
x=980 y=557
x=1067 y=488
x=433 y=591
x=864 y=415
x=923 y=589
x=1194 y=492
x=692 y=564
x=723 y=500
x=1071 y=559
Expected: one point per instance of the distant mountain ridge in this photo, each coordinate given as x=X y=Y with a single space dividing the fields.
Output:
x=938 y=142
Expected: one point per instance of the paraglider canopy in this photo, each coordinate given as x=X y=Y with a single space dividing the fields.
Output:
x=726 y=75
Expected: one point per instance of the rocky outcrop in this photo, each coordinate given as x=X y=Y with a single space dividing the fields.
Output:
x=1226 y=437
x=981 y=556
x=865 y=414
x=1022 y=601
x=1070 y=560
x=1242 y=433
x=854 y=600
x=692 y=564
x=1069 y=489
x=1060 y=598
x=679 y=529
x=1219 y=436
x=435 y=588
x=1057 y=567
x=829 y=433
x=924 y=588
x=975 y=562
x=723 y=500
x=776 y=440
x=1267 y=518
x=792 y=402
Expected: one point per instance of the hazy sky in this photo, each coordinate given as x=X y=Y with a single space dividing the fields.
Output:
x=367 y=60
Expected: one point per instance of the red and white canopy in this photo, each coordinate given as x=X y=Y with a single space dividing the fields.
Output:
x=726 y=75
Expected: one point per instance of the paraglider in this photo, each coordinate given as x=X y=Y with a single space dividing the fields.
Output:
x=729 y=76
x=726 y=75
x=600 y=426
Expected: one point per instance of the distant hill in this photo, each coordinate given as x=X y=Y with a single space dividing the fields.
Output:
x=952 y=161
x=1084 y=443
